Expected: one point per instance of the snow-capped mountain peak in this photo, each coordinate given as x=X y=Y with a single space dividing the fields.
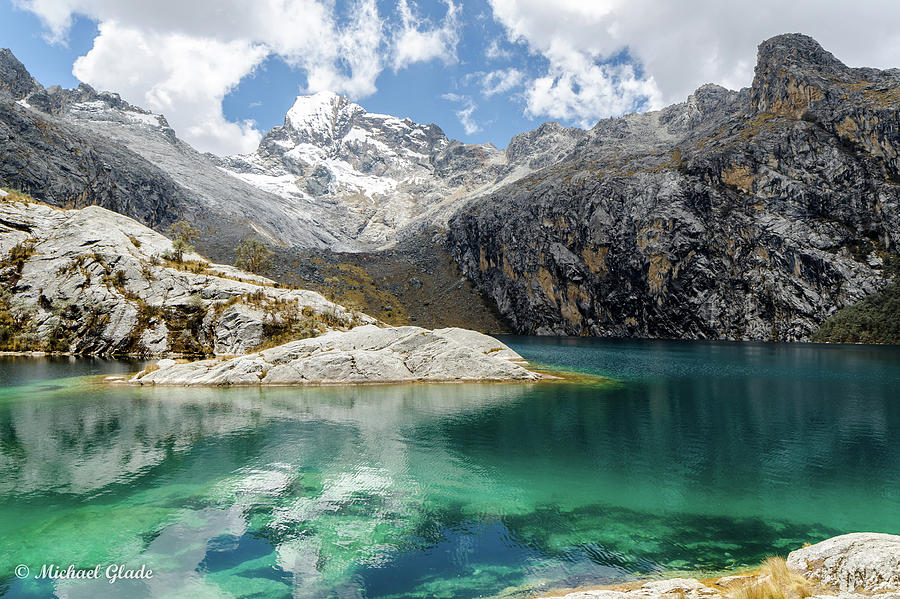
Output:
x=321 y=117
x=378 y=173
x=331 y=149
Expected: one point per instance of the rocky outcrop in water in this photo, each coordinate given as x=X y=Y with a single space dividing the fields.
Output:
x=741 y=215
x=90 y=281
x=365 y=354
x=93 y=282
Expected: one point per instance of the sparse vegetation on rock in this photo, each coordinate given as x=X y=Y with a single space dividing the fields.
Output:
x=874 y=319
x=183 y=235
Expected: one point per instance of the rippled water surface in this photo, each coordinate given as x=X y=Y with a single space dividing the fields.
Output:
x=701 y=456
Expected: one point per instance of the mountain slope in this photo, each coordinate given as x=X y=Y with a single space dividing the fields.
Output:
x=82 y=147
x=738 y=215
x=751 y=214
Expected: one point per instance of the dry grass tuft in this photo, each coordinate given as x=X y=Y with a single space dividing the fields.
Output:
x=148 y=369
x=775 y=581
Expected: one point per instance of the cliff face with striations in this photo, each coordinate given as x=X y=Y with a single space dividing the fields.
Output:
x=740 y=215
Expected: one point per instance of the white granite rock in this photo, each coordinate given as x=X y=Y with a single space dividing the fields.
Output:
x=155 y=338
x=859 y=562
x=727 y=581
x=673 y=585
x=365 y=354
x=239 y=329
x=99 y=278
x=598 y=594
x=166 y=363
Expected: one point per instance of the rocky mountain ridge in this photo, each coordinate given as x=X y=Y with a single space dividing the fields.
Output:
x=365 y=354
x=49 y=133
x=386 y=177
x=739 y=215
x=750 y=214
x=334 y=176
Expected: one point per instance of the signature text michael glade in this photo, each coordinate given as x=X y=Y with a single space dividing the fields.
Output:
x=111 y=573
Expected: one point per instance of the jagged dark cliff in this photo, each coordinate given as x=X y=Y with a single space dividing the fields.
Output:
x=63 y=165
x=739 y=215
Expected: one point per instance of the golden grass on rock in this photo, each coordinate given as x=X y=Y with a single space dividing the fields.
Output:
x=774 y=581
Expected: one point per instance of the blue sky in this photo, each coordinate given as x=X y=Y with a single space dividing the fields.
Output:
x=417 y=91
x=225 y=71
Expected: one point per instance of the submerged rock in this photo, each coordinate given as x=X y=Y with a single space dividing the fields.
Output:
x=858 y=562
x=366 y=354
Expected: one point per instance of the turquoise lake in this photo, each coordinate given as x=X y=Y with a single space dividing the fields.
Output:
x=699 y=457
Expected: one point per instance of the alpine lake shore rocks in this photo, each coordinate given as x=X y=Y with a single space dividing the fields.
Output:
x=852 y=566
x=92 y=282
x=364 y=355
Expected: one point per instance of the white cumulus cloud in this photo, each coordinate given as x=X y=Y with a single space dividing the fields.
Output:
x=677 y=46
x=495 y=52
x=183 y=57
x=464 y=114
x=160 y=72
x=501 y=81
x=418 y=41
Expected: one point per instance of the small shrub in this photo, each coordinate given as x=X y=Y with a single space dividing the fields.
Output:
x=253 y=256
x=20 y=253
x=74 y=265
x=146 y=271
x=183 y=235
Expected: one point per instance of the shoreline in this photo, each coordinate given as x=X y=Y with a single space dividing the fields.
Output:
x=710 y=579
x=547 y=376
x=847 y=566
